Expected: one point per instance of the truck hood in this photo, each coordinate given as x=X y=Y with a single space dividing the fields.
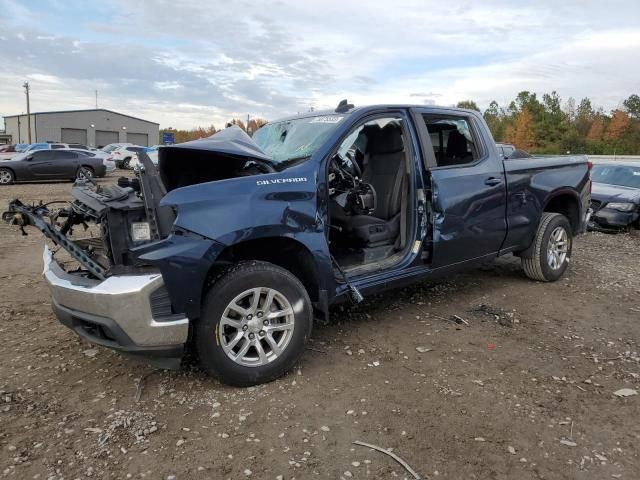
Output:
x=615 y=193
x=221 y=156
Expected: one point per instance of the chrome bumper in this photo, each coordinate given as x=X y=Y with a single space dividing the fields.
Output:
x=116 y=312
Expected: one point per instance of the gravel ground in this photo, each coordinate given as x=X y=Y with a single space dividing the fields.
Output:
x=525 y=390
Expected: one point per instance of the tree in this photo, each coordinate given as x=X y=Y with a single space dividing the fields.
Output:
x=632 y=106
x=596 y=131
x=584 y=117
x=468 y=104
x=618 y=126
x=495 y=118
x=520 y=133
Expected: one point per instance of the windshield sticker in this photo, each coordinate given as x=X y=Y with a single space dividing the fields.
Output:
x=281 y=180
x=327 y=119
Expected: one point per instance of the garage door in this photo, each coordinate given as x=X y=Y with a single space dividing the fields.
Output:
x=74 y=135
x=104 y=138
x=138 y=138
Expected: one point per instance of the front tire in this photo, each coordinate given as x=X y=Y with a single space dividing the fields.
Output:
x=125 y=163
x=551 y=249
x=256 y=320
x=6 y=176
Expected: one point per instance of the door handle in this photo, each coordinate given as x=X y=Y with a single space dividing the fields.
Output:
x=492 y=181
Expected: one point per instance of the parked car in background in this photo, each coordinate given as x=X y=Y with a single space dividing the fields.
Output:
x=152 y=152
x=615 y=196
x=107 y=160
x=509 y=151
x=45 y=165
x=8 y=148
x=112 y=146
x=54 y=146
x=7 y=151
x=123 y=155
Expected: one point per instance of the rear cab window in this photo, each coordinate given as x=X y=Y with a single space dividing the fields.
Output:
x=453 y=139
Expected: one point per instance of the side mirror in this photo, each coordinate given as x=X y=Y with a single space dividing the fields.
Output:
x=29 y=158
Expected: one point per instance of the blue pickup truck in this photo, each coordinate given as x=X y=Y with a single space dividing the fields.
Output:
x=233 y=245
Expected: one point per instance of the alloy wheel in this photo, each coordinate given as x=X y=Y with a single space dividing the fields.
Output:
x=557 y=248
x=256 y=327
x=5 y=177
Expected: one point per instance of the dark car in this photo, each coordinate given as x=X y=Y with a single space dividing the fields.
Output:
x=615 y=198
x=45 y=165
x=235 y=244
x=509 y=151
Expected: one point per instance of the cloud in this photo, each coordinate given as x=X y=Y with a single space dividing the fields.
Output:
x=186 y=63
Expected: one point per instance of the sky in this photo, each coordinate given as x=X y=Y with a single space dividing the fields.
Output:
x=188 y=63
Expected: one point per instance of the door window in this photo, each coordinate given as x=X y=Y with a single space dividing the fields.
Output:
x=453 y=140
x=44 y=155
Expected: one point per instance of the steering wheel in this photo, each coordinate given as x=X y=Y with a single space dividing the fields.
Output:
x=354 y=165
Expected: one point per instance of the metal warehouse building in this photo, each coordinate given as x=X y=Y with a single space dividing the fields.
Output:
x=95 y=128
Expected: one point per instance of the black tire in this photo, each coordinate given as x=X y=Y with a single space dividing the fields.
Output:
x=228 y=286
x=125 y=163
x=6 y=176
x=538 y=265
x=85 y=172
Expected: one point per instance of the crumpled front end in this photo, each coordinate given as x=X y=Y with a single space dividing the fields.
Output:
x=130 y=313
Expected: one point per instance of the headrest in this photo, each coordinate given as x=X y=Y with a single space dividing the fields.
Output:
x=387 y=140
x=456 y=144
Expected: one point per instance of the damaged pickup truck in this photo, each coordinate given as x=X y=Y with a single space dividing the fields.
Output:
x=234 y=244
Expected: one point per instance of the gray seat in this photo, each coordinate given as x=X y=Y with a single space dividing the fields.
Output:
x=385 y=171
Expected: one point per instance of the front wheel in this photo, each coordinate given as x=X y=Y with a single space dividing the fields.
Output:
x=125 y=163
x=256 y=320
x=551 y=249
x=6 y=176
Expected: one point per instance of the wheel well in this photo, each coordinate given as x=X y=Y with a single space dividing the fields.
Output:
x=568 y=206
x=282 y=251
x=10 y=169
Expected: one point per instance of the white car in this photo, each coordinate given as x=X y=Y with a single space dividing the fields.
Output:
x=55 y=146
x=107 y=160
x=124 y=155
x=113 y=146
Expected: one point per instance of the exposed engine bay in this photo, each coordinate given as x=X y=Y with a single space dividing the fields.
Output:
x=101 y=213
x=108 y=222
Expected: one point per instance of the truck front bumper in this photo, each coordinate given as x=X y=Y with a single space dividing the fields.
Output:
x=122 y=312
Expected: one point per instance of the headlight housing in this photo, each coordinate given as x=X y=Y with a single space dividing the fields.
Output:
x=621 y=206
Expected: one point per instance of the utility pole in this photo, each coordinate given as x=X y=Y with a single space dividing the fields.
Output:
x=96 y=99
x=26 y=91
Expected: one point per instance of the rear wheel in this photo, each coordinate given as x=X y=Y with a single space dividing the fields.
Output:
x=126 y=162
x=551 y=249
x=85 y=173
x=256 y=320
x=6 y=176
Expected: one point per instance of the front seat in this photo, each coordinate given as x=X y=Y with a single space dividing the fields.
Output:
x=386 y=171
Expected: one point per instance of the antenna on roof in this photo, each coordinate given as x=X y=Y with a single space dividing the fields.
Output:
x=344 y=106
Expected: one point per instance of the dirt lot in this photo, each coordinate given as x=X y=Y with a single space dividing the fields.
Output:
x=524 y=391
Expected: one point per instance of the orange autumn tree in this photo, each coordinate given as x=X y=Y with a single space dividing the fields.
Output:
x=520 y=133
x=618 y=126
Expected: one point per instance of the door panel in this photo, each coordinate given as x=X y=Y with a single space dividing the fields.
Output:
x=41 y=164
x=468 y=190
x=468 y=212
